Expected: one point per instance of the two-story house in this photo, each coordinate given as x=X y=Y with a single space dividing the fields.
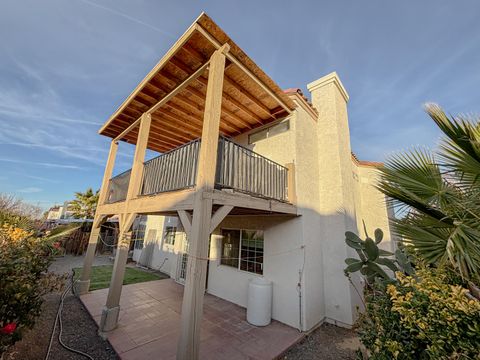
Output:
x=250 y=181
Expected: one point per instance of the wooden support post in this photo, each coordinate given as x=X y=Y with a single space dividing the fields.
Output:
x=111 y=310
x=186 y=220
x=83 y=284
x=219 y=215
x=112 y=307
x=192 y=306
x=291 y=187
x=136 y=176
x=112 y=155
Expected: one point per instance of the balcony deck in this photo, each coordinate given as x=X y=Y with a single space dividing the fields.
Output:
x=244 y=179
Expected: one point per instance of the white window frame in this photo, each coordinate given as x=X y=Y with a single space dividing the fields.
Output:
x=267 y=129
x=240 y=251
x=167 y=233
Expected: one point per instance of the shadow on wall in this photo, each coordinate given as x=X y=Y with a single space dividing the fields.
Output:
x=326 y=294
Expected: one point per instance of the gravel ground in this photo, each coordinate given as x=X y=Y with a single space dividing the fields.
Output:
x=79 y=329
x=79 y=332
x=328 y=342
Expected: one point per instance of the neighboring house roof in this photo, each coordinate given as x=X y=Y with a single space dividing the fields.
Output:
x=359 y=162
x=299 y=94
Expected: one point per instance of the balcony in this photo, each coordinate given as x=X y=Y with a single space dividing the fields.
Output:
x=238 y=168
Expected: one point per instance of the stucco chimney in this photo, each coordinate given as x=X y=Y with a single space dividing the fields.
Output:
x=336 y=183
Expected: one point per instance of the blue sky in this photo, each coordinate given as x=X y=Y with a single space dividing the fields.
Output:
x=65 y=66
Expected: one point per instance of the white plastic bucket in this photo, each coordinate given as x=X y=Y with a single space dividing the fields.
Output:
x=259 y=305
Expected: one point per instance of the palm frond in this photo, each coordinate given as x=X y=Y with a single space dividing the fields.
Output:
x=441 y=199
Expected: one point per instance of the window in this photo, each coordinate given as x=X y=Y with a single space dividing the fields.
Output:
x=243 y=249
x=170 y=232
x=138 y=235
x=269 y=132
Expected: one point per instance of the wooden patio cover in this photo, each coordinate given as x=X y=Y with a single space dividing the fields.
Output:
x=174 y=93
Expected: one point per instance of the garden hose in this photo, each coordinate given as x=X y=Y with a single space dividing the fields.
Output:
x=58 y=319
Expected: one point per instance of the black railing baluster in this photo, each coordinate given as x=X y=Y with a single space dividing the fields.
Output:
x=243 y=170
x=238 y=168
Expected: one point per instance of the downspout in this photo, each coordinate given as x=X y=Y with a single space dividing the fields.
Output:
x=299 y=289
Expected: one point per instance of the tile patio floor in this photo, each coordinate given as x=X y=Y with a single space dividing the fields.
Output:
x=149 y=325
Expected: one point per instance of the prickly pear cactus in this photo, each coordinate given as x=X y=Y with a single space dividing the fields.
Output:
x=372 y=260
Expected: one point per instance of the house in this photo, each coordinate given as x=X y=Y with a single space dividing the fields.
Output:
x=60 y=212
x=250 y=181
x=54 y=213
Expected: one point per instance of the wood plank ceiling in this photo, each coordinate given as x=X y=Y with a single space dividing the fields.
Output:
x=245 y=104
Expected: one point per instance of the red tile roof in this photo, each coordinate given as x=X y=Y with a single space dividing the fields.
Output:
x=298 y=91
x=366 y=163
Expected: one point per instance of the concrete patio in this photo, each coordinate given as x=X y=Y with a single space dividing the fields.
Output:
x=149 y=325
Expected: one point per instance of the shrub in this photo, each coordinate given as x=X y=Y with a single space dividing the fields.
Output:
x=444 y=317
x=422 y=313
x=24 y=261
x=420 y=317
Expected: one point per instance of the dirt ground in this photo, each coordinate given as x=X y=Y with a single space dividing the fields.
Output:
x=79 y=332
x=79 y=329
x=328 y=342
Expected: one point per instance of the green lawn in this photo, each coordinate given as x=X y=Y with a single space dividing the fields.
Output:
x=101 y=276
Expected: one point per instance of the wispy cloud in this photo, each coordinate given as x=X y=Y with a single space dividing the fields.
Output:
x=36 y=113
x=43 y=164
x=30 y=190
x=128 y=17
x=43 y=179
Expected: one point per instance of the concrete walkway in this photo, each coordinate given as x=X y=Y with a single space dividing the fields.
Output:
x=149 y=325
x=65 y=264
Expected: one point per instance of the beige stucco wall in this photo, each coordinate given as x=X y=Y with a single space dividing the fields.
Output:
x=282 y=256
x=337 y=212
x=333 y=195
x=373 y=206
x=164 y=256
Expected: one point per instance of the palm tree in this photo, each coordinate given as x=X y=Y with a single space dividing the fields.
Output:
x=83 y=207
x=438 y=194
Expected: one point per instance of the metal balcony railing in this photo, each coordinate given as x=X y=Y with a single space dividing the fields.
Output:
x=118 y=187
x=244 y=170
x=238 y=168
x=173 y=170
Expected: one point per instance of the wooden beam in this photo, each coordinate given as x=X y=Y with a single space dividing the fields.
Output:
x=83 y=284
x=186 y=220
x=192 y=305
x=201 y=96
x=219 y=215
x=231 y=82
x=179 y=88
x=234 y=60
x=118 y=273
x=158 y=128
x=112 y=155
x=98 y=221
x=236 y=103
x=163 y=61
x=127 y=130
x=158 y=203
x=186 y=69
x=135 y=183
x=250 y=202
x=225 y=126
x=128 y=221
x=158 y=134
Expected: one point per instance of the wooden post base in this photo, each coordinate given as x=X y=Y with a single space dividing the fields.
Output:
x=81 y=287
x=109 y=319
